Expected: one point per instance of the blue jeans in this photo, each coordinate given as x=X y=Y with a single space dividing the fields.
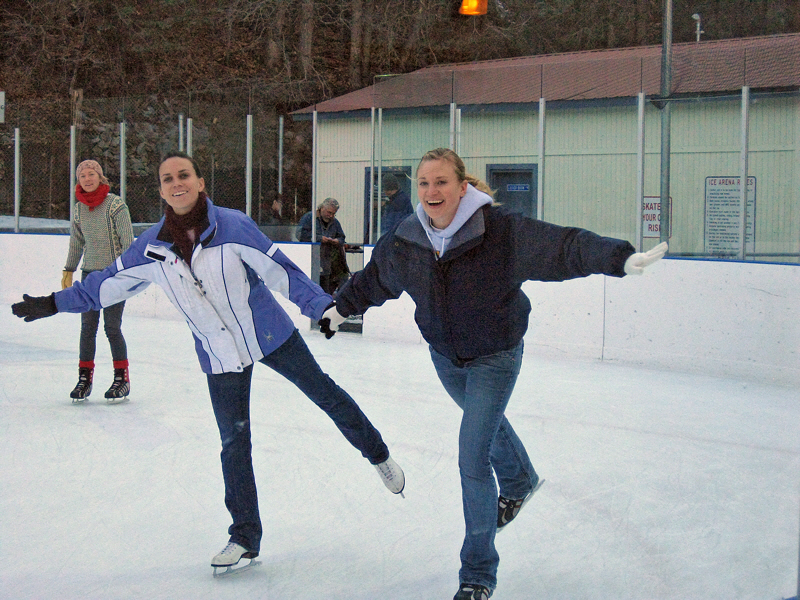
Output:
x=230 y=398
x=487 y=446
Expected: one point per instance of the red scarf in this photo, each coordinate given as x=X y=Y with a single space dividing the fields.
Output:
x=92 y=199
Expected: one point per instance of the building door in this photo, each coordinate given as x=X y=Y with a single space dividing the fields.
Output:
x=515 y=186
x=403 y=177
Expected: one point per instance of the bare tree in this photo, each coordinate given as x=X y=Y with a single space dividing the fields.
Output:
x=356 y=41
x=305 y=23
x=325 y=47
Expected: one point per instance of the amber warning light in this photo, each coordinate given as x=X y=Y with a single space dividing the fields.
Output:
x=473 y=7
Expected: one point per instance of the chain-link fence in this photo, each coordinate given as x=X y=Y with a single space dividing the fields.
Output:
x=212 y=125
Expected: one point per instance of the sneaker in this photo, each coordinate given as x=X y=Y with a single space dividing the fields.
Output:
x=508 y=508
x=473 y=591
x=119 y=390
x=231 y=554
x=392 y=476
x=84 y=385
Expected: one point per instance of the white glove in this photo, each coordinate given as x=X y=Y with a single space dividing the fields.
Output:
x=637 y=262
x=330 y=321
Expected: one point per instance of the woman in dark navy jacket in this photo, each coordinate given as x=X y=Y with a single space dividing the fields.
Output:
x=463 y=261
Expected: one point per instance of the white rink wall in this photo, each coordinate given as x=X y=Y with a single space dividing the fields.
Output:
x=728 y=319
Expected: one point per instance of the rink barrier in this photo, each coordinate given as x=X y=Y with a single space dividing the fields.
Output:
x=720 y=318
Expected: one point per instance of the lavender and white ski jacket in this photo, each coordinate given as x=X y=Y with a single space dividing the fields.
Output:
x=234 y=318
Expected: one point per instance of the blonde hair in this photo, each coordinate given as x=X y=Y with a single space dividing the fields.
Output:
x=458 y=164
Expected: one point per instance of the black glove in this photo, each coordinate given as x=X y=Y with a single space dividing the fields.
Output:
x=35 y=307
x=330 y=321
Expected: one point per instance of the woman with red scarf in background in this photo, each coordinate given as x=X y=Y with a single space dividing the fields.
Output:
x=101 y=231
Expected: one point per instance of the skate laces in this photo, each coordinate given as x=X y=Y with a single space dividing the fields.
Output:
x=230 y=548
x=386 y=471
x=392 y=475
x=476 y=592
x=508 y=503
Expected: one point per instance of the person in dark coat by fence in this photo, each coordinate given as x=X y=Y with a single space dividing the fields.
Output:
x=330 y=234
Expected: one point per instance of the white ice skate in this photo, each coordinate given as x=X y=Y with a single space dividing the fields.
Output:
x=392 y=476
x=230 y=556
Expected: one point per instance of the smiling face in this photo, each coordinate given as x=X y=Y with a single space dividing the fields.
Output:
x=440 y=190
x=89 y=180
x=180 y=185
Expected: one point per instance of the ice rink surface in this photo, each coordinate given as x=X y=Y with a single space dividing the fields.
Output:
x=660 y=485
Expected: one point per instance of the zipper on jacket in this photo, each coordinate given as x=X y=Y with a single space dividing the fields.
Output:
x=441 y=269
x=197 y=282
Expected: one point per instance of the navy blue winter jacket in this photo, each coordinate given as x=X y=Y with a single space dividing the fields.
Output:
x=469 y=301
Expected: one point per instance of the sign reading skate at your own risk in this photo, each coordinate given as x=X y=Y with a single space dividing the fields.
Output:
x=723 y=214
x=651 y=217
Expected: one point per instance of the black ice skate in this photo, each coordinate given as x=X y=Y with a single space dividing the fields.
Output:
x=119 y=390
x=472 y=591
x=508 y=509
x=230 y=556
x=84 y=386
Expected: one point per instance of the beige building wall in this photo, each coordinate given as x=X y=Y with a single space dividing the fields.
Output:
x=590 y=169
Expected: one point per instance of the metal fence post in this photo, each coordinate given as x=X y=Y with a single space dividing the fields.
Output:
x=73 y=165
x=16 y=179
x=123 y=171
x=248 y=169
x=743 y=172
x=666 y=121
x=540 y=166
x=314 y=176
x=280 y=157
x=640 y=175
x=371 y=178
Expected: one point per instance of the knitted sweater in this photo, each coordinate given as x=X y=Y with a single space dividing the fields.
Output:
x=100 y=235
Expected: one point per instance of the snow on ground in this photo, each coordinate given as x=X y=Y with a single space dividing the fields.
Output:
x=660 y=485
x=9 y=222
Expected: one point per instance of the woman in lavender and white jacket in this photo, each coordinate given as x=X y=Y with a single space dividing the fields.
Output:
x=217 y=269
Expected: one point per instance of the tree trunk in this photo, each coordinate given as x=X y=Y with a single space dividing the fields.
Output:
x=411 y=41
x=306 y=37
x=356 y=35
x=275 y=44
x=366 y=57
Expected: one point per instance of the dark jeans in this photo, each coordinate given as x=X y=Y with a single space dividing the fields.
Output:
x=487 y=446
x=112 y=324
x=230 y=398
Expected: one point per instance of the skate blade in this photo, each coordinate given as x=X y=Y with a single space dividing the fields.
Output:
x=117 y=400
x=234 y=570
x=79 y=401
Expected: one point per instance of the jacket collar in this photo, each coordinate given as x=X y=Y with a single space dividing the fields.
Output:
x=468 y=236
